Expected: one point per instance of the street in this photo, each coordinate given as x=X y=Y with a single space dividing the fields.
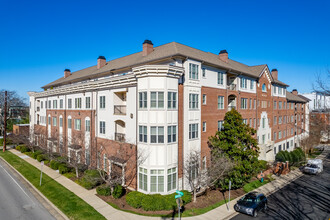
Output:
x=308 y=197
x=16 y=201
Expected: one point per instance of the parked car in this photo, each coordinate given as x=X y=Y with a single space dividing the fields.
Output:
x=251 y=204
x=314 y=166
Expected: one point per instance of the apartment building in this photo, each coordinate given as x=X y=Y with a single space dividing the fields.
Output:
x=142 y=114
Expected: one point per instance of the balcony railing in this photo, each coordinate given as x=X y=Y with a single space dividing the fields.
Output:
x=231 y=107
x=120 y=137
x=232 y=87
x=120 y=109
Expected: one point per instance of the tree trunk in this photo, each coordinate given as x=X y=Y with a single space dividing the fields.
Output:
x=77 y=173
x=194 y=194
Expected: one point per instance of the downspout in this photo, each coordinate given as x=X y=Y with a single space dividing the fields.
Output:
x=91 y=128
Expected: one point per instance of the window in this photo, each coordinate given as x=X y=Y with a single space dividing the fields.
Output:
x=171 y=179
x=251 y=84
x=250 y=104
x=102 y=102
x=54 y=104
x=284 y=105
x=102 y=127
x=157 y=134
x=250 y=122
x=61 y=103
x=279 y=120
x=220 y=78
x=279 y=91
x=275 y=120
x=291 y=143
x=157 y=100
x=204 y=126
x=220 y=125
x=279 y=134
x=274 y=136
x=274 y=87
x=264 y=87
x=203 y=72
x=243 y=83
x=284 y=119
x=69 y=103
x=49 y=104
x=143 y=134
x=61 y=122
x=263 y=122
x=279 y=148
x=193 y=101
x=156 y=180
x=275 y=105
x=193 y=131
x=220 y=102
x=291 y=131
x=204 y=163
x=88 y=102
x=49 y=120
x=274 y=150
x=284 y=133
x=69 y=123
x=77 y=103
x=77 y=124
x=143 y=179
x=171 y=102
x=263 y=104
x=245 y=121
x=193 y=71
x=87 y=125
x=263 y=139
x=254 y=123
x=291 y=105
x=279 y=105
x=193 y=170
x=254 y=104
x=105 y=162
x=54 y=121
x=171 y=134
x=204 y=99
x=243 y=103
x=42 y=104
x=291 y=118
x=143 y=99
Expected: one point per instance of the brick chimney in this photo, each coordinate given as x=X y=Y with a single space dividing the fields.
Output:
x=294 y=92
x=275 y=73
x=101 y=62
x=67 y=72
x=148 y=47
x=223 y=55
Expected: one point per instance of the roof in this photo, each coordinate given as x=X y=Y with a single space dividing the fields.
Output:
x=294 y=98
x=161 y=52
x=305 y=98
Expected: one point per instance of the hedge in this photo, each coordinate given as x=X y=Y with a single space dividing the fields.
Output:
x=41 y=157
x=62 y=168
x=118 y=191
x=36 y=153
x=54 y=164
x=155 y=202
x=103 y=190
x=294 y=157
x=91 y=179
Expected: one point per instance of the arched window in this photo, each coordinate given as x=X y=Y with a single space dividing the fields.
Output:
x=264 y=87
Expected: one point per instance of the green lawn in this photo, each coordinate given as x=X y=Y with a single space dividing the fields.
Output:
x=254 y=185
x=70 y=204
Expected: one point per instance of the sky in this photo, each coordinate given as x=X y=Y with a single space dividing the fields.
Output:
x=39 y=39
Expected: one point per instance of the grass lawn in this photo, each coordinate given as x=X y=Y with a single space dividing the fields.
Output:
x=253 y=185
x=70 y=204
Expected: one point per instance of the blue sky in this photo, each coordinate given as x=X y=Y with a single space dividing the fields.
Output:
x=39 y=39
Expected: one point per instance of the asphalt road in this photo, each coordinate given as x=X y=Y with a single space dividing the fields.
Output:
x=16 y=201
x=308 y=197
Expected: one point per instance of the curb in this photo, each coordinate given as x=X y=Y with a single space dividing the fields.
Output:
x=59 y=212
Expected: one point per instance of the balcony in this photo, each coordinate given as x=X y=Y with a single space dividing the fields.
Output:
x=231 y=102
x=120 y=137
x=119 y=110
x=232 y=87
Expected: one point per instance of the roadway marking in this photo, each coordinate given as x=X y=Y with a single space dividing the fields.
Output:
x=18 y=185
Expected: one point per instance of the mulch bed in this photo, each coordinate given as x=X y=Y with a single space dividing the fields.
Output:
x=208 y=198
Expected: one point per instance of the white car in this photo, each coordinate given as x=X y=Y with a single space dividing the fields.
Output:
x=314 y=166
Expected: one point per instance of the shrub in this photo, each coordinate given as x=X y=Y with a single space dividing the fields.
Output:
x=280 y=156
x=41 y=157
x=155 y=202
x=91 y=179
x=36 y=153
x=263 y=164
x=54 y=164
x=62 y=168
x=118 y=191
x=18 y=147
x=30 y=154
x=24 y=149
x=103 y=190
x=61 y=159
x=46 y=162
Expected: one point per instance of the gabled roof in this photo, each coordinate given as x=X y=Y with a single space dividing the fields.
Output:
x=294 y=98
x=161 y=52
x=305 y=98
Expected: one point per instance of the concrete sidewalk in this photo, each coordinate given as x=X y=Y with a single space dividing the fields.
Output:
x=89 y=196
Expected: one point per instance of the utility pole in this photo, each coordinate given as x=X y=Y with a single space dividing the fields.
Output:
x=5 y=124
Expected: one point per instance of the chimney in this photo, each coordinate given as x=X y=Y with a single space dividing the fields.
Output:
x=148 y=47
x=67 y=72
x=275 y=73
x=101 y=62
x=223 y=55
x=294 y=92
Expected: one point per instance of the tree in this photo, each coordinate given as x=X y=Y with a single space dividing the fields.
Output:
x=237 y=143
